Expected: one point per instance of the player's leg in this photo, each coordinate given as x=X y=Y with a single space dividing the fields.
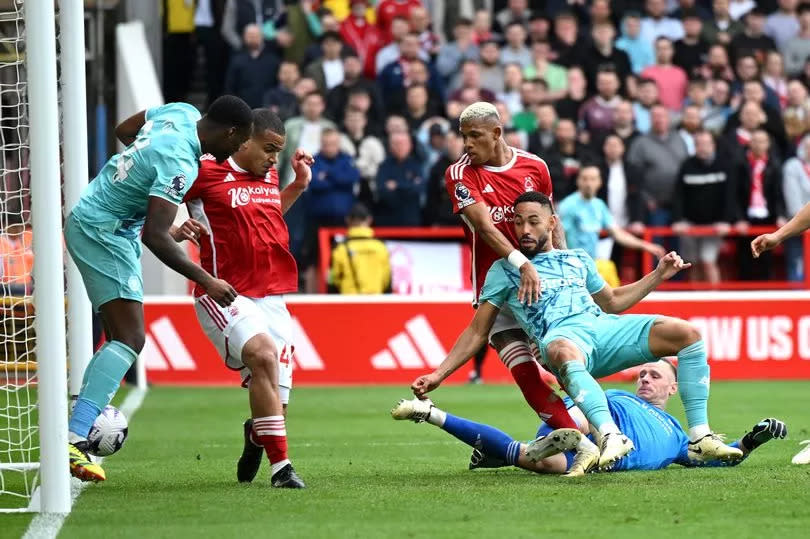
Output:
x=490 y=440
x=512 y=346
x=672 y=336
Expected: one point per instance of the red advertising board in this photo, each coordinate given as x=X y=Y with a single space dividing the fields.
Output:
x=389 y=340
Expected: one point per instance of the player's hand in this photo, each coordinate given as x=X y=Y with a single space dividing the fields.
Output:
x=765 y=431
x=191 y=230
x=301 y=162
x=670 y=264
x=529 y=291
x=763 y=243
x=425 y=384
x=221 y=292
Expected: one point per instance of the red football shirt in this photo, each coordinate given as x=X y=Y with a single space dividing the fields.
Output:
x=249 y=244
x=388 y=10
x=497 y=188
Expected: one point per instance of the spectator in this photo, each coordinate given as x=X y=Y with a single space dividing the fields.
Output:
x=360 y=262
x=566 y=158
x=304 y=132
x=391 y=53
x=416 y=102
x=363 y=37
x=334 y=177
x=658 y=154
x=638 y=49
x=514 y=50
x=555 y=75
x=299 y=28
x=516 y=12
x=647 y=99
x=597 y=114
x=784 y=24
x=566 y=40
x=453 y=54
x=748 y=70
x=431 y=138
x=365 y=149
x=470 y=85
x=759 y=201
x=670 y=79
x=691 y=50
x=420 y=25
x=327 y=72
x=719 y=108
x=539 y=28
x=514 y=138
x=353 y=81
x=796 y=116
x=252 y=70
x=396 y=76
x=753 y=40
x=741 y=126
x=624 y=124
x=513 y=82
x=656 y=24
x=704 y=194
x=388 y=11
x=400 y=184
x=691 y=5
x=697 y=94
x=482 y=28
x=722 y=28
x=796 y=189
x=717 y=65
x=584 y=215
x=754 y=91
x=739 y=8
x=360 y=99
x=541 y=141
x=797 y=49
x=439 y=207
x=600 y=13
x=602 y=53
x=239 y=13
x=16 y=256
x=622 y=188
x=690 y=126
x=533 y=94
x=491 y=68
x=568 y=106
x=774 y=77
x=208 y=31
x=328 y=24
x=282 y=99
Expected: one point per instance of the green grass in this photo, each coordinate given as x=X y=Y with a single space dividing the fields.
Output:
x=369 y=476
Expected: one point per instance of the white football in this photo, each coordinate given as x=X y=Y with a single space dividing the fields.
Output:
x=109 y=432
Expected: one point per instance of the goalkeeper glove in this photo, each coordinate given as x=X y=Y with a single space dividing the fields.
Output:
x=765 y=430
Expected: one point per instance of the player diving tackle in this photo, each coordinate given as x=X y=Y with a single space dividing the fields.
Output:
x=580 y=337
x=658 y=437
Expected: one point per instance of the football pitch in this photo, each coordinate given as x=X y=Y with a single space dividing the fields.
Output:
x=369 y=476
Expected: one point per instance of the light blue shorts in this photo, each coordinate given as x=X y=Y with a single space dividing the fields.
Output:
x=110 y=264
x=609 y=342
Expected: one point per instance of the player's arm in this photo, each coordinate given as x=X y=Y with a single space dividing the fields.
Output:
x=797 y=225
x=478 y=215
x=127 y=130
x=469 y=342
x=160 y=215
x=616 y=300
x=301 y=162
x=625 y=239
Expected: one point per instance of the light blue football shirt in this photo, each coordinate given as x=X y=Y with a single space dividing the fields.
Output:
x=567 y=277
x=163 y=162
x=582 y=221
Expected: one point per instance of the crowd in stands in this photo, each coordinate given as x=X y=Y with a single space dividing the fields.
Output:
x=690 y=112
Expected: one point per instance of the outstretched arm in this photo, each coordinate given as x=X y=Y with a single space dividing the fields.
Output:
x=616 y=300
x=797 y=225
x=625 y=239
x=127 y=130
x=468 y=343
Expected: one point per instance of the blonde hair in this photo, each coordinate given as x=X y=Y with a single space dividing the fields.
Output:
x=478 y=111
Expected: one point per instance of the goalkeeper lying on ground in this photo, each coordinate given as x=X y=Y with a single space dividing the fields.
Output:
x=658 y=437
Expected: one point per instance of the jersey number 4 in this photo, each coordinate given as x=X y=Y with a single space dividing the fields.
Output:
x=127 y=160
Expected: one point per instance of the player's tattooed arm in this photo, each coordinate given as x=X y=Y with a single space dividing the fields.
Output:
x=468 y=343
x=160 y=215
x=127 y=130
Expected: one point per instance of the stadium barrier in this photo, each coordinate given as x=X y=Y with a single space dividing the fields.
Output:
x=392 y=339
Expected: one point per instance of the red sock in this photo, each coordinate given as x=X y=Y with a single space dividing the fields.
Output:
x=519 y=360
x=271 y=433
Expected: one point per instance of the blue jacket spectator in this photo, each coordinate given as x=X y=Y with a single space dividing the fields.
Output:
x=400 y=185
x=334 y=176
x=637 y=48
x=252 y=70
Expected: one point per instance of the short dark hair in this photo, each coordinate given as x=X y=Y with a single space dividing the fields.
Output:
x=803 y=8
x=463 y=21
x=313 y=93
x=359 y=212
x=266 y=119
x=230 y=111
x=535 y=196
x=663 y=38
x=335 y=36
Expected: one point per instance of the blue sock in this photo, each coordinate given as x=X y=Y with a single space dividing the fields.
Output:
x=588 y=395
x=491 y=441
x=693 y=383
x=543 y=430
x=101 y=380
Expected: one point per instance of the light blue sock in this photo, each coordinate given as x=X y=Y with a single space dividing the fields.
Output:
x=101 y=380
x=693 y=383
x=588 y=395
x=493 y=442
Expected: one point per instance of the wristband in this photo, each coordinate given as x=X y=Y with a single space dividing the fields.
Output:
x=517 y=259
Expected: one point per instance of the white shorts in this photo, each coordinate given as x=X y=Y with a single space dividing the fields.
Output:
x=229 y=328
x=503 y=322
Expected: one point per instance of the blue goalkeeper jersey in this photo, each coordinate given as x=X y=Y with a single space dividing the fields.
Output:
x=568 y=278
x=163 y=162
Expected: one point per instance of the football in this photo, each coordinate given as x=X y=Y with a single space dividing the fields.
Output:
x=109 y=432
